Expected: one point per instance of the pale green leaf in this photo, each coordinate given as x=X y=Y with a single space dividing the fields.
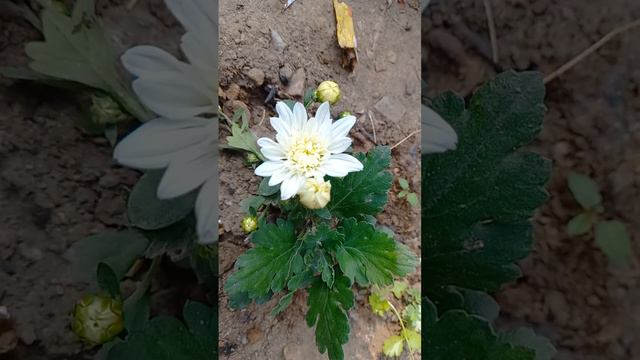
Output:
x=393 y=346
x=580 y=224
x=612 y=237
x=585 y=190
x=414 y=343
x=527 y=338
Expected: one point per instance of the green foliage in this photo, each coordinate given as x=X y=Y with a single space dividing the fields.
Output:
x=76 y=50
x=412 y=198
x=147 y=212
x=476 y=206
x=527 y=338
x=328 y=312
x=612 y=237
x=379 y=304
x=241 y=137
x=165 y=338
x=369 y=256
x=393 y=346
x=585 y=190
x=117 y=249
x=322 y=251
x=363 y=192
x=108 y=280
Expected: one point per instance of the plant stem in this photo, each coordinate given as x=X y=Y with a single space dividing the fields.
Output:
x=404 y=330
x=146 y=281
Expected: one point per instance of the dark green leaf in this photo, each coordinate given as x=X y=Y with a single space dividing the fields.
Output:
x=481 y=304
x=363 y=192
x=478 y=199
x=585 y=190
x=525 y=337
x=265 y=190
x=202 y=321
x=370 y=256
x=612 y=237
x=117 y=249
x=328 y=309
x=108 y=280
x=458 y=335
x=136 y=313
x=148 y=212
x=268 y=265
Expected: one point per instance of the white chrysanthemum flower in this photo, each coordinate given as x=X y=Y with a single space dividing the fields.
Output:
x=305 y=148
x=437 y=135
x=188 y=152
x=172 y=88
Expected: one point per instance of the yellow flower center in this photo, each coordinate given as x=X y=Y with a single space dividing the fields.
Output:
x=306 y=154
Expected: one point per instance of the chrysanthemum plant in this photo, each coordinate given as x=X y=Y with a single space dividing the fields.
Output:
x=168 y=219
x=477 y=202
x=316 y=228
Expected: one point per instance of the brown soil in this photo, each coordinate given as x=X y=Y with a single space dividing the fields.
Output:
x=569 y=293
x=389 y=67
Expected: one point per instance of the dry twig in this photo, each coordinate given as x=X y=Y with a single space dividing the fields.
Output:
x=406 y=138
x=492 y=31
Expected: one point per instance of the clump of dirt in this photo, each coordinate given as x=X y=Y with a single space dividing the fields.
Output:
x=262 y=46
x=569 y=292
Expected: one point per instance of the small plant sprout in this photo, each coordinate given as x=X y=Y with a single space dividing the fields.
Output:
x=406 y=193
x=407 y=312
x=611 y=236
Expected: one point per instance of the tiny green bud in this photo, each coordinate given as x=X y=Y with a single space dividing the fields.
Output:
x=105 y=110
x=249 y=224
x=251 y=159
x=328 y=91
x=97 y=319
x=344 y=114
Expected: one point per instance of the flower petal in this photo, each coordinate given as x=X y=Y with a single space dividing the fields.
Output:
x=339 y=145
x=285 y=114
x=300 y=116
x=198 y=16
x=157 y=142
x=290 y=186
x=341 y=127
x=267 y=168
x=207 y=212
x=271 y=149
x=280 y=126
x=278 y=176
x=174 y=97
x=437 y=134
x=149 y=61
x=340 y=165
x=323 y=117
x=187 y=172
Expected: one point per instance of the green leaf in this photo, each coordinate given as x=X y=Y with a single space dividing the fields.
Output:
x=399 y=288
x=108 y=281
x=478 y=199
x=163 y=338
x=202 y=321
x=328 y=309
x=117 y=249
x=580 y=224
x=268 y=265
x=612 y=237
x=412 y=199
x=393 y=346
x=379 y=303
x=363 y=192
x=77 y=49
x=412 y=315
x=283 y=303
x=370 y=256
x=413 y=340
x=481 y=304
x=404 y=184
x=265 y=189
x=242 y=138
x=136 y=313
x=585 y=190
x=458 y=335
x=525 y=337
x=148 y=212
x=309 y=97
x=20 y=73
x=174 y=240
x=251 y=204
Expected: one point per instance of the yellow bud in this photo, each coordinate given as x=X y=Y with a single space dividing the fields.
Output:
x=249 y=224
x=344 y=114
x=328 y=91
x=97 y=319
x=315 y=194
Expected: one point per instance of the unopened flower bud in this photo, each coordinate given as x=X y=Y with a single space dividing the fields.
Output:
x=328 y=91
x=251 y=159
x=344 y=114
x=105 y=110
x=97 y=319
x=315 y=194
x=249 y=224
